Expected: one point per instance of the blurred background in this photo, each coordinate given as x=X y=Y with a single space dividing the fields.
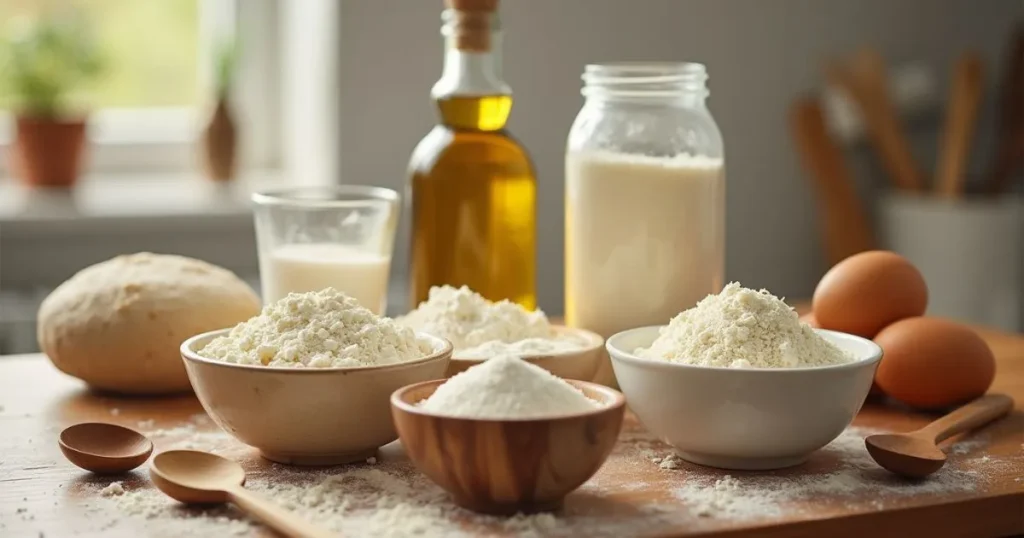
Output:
x=325 y=91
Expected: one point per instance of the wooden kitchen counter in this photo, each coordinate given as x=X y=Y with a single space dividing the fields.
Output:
x=43 y=495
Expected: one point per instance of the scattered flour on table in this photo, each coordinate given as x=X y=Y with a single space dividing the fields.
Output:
x=324 y=329
x=389 y=500
x=507 y=387
x=479 y=328
x=742 y=328
x=758 y=495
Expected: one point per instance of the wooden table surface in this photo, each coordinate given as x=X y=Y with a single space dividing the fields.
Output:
x=43 y=495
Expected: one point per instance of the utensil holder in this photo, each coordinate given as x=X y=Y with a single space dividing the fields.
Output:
x=971 y=253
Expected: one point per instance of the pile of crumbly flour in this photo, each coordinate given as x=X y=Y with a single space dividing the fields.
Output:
x=742 y=328
x=479 y=328
x=324 y=329
x=507 y=387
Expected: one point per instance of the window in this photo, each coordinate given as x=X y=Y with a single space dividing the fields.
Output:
x=147 y=106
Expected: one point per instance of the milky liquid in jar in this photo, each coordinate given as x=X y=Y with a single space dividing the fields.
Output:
x=645 y=198
x=313 y=267
x=643 y=238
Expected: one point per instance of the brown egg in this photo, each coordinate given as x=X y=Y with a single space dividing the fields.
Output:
x=933 y=363
x=867 y=291
x=809 y=319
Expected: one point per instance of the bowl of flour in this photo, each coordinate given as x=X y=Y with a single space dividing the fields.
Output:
x=479 y=329
x=506 y=435
x=739 y=382
x=307 y=381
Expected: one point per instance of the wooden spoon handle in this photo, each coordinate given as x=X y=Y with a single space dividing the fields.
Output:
x=844 y=224
x=977 y=413
x=274 y=516
x=964 y=99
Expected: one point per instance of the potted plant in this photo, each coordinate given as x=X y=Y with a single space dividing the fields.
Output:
x=43 y=63
x=220 y=137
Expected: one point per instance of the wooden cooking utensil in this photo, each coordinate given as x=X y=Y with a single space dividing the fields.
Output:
x=104 y=448
x=864 y=79
x=194 y=477
x=844 y=224
x=1009 y=156
x=915 y=454
x=961 y=112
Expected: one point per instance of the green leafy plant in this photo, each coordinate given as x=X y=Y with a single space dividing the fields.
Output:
x=226 y=60
x=43 y=62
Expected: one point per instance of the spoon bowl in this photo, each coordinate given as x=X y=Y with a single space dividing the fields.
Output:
x=194 y=477
x=104 y=448
x=902 y=454
x=916 y=454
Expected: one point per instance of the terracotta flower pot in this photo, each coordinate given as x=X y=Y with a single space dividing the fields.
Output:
x=220 y=139
x=47 y=151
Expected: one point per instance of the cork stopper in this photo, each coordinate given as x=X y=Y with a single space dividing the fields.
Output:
x=488 y=6
x=471 y=22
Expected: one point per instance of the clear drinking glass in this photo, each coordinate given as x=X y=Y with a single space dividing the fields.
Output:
x=312 y=238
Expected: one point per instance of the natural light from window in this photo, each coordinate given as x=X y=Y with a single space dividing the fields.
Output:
x=150 y=49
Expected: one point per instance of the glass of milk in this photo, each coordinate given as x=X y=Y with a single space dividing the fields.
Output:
x=312 y=238
x=644 y=197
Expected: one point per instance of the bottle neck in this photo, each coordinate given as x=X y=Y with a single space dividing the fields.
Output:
x=472 y=58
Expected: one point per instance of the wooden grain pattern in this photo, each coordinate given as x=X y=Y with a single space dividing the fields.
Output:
x=844 y=224
x=505 y=467
x=41 y=493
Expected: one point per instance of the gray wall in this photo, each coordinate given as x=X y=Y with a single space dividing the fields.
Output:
x=760 y=55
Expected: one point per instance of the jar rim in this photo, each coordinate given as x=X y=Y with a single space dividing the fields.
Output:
x=644 y=79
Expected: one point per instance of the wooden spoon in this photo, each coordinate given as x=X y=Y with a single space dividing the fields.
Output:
x=865 y=80
x=194 y=477
x=844 y=224
x=915 y=454
x=961 y=111
x=104 y=448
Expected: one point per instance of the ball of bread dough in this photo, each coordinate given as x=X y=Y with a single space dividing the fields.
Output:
x=118 y=325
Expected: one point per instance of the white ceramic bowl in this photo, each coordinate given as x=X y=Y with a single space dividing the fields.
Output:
x=748 y=419
x=579 y=364
x=307 y=416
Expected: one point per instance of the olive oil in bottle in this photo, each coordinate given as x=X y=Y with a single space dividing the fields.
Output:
x=473 y=190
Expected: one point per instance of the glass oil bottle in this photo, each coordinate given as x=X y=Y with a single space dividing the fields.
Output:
x=473 y=189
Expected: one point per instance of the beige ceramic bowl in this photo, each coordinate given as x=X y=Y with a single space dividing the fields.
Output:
x=581 y=364
x=509 y=466
x=316 y=416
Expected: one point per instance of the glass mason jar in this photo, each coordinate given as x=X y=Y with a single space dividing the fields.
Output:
x=645 y=197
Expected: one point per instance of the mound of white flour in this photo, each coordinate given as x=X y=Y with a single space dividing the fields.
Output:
x=742 y=328
x=479 y=328
x=507 y=387
x=324 y=329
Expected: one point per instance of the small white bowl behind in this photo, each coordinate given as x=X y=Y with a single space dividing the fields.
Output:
x=749 y=419
x=579 y=364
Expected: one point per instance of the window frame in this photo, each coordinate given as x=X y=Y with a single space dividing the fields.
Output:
x=164 y=139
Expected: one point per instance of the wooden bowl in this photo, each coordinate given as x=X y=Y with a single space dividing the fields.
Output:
x=508 y=466
x=581 y=364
